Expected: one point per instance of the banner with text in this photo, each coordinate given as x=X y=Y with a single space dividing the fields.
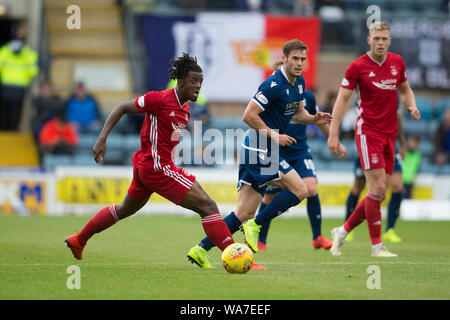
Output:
x=236 y=51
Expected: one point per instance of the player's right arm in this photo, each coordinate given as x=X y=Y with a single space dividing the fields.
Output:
x=116 y=114
x=254 y=121
x=339 y=108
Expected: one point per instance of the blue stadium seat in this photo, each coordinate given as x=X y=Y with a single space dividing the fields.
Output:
x=426 y=148
x=131 y=142
x=316 y=145
x=341 y=165
x=86 y=140
x=441 y=105
x=52 y=160
x=223 y=123
x=83 y=159
x=427 y=167
x=425 y=106
x=115 y=141
x=114 y=157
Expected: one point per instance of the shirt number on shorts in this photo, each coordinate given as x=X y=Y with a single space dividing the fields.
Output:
x=309 y=164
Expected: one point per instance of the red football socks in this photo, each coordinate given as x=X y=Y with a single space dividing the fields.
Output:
x=373 y=216
x=217 y=231
x=358 y=216
x=104 y=219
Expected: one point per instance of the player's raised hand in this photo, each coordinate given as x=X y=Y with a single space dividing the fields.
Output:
x=99 y=150
x=415 y=113
x=333 y=144
x=322 y=118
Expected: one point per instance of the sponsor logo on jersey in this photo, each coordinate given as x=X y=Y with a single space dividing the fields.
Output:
x=371 y=74
x=300 y=88
x=394 y=71
x=389 y=84
x=273 y=84
x=172 y=114
x=345 y=82
x=141 y=101
x=261 y=98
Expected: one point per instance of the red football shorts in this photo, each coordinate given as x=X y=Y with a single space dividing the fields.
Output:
x=171 y=182
x=376 y=151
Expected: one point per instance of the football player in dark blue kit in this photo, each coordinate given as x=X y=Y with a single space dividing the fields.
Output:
x=298 y=155
x=279 y=100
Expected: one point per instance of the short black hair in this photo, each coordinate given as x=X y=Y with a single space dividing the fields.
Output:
x=182 y=65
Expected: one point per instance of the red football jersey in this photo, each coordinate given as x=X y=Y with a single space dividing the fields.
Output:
x=165 y=118
x=376 y=85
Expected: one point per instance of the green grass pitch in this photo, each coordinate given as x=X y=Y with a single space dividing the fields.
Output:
x=144 y=257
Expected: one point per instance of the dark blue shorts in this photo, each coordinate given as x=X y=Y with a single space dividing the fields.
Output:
x=258 y=168
x=303 y=164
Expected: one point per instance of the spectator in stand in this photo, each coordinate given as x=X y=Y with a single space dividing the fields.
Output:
x=18 y=67
x=82 y=110
x=442 y=140
x=46 y=106
x=411 y=165
x=58 y=136
x=304 y=7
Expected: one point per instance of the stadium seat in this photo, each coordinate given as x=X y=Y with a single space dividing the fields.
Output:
x=223 y=123
x=115 y=141
x=426 y=148
x=315 y=145
x=131 y=142
x=83 y=159
x=425 y=106
x=441 y=105
x=445 y=169
x=341 y=165
x=420 y=128
x=52 y=160
x=114 y=157
x=86 y=140
x=427 y=167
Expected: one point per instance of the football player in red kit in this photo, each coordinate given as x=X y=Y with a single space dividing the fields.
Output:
x=377 y=77
x=166 y=114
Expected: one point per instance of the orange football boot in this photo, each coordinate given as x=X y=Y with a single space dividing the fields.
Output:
x=75 y=246
x=322 y=242
x=257 y=267
x=262 y=246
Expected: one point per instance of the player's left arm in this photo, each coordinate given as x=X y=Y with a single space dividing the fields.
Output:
x=116 y=114
x=409 y=100
x=304 y=117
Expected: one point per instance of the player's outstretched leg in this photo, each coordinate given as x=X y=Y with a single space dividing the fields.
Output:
x=295 y=191
x=215 y=228
x=102 y=220
x=199 y=253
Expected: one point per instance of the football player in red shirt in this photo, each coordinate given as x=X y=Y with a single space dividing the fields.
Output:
x=166 y=114
x=376 y=76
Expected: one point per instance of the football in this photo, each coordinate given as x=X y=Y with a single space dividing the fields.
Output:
x=237 y=258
